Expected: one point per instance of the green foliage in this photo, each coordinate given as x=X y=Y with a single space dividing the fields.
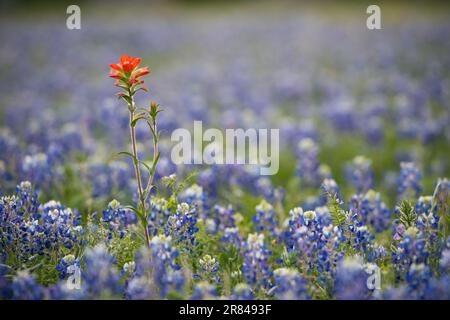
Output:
x=407 y=214
x=289 y=258
x=338 y=215
x=124 y=249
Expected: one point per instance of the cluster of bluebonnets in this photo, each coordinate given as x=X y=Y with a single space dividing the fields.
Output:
x=359 y=210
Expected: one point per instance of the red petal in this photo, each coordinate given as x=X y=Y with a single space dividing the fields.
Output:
x=128 y=67
x=116 y=66
x=142 y=72
x=124 y=58
x=135 y=62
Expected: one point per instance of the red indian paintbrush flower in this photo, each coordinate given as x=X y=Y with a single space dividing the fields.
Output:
x=128 y=73
x=128 y=77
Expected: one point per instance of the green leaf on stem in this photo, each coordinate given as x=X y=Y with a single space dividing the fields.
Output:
x=142 y=216
x=127 y=98
x=136 y=120
x=135 y=160
x=152 y=171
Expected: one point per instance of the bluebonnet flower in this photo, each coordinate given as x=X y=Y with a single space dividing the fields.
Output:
x=5 y=288
x=263 y=186
x=362 y=239
x=256 y=269
x=408 y=249
x=289 y=285
x=37 y=228
x=62 y=291
x=323 y=215
x=117 y=218
x=248 y=178
x=207 y=179
x=156 y=271
x=437 y=288
x=100 y=279
x=61 y=226
x=106 y=179
x=37 y=168
x=69 y=139
x=166 y=269
x=294 y=223
x=427 y=220
x=372 y=210
x=3 y=267
x=265 y=220
x=341 y=114
x=161 y=248
x=165 y=165
x=159 y=213
x=208 y=270
x=65 y=263
x=129 y=267
x=137 y=278
x=358 y=236
x=315 y=239
x=181 y=225
x=442 y=196
x=444 y=262
x=10 y=217
x=223 y=218
x=25 y=287
x=351 y=280
x=9 y=144
x=396 y=293
x=417 y=279
x=424 y=205
x=231 y=237
x=138 y=288
x=312 y=202
x=209 y=264
x=195 y=197
x=330 y=188
x=420 y=283
x=409 y=181
x=204 y=291
x=238 y=178
x=360 y=173
x=43 y=168
x=242 y=291
x=3 y=172
x=29 y=198
x=308 y=162
x=373 y=129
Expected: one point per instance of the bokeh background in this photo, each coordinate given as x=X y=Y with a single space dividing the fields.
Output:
x=312 y=69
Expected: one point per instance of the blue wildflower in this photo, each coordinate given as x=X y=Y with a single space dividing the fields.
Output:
x=204 y=291
x=409 y=181
x=256 y=269
x=289 y=285
x=360 y=173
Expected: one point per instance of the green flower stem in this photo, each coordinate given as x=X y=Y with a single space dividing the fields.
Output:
x=155 y=157
x=137 y=171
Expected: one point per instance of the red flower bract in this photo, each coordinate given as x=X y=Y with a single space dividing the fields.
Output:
x=129 y=63
x=127 y=72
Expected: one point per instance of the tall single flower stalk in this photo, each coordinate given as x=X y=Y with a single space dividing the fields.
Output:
x=128 y=77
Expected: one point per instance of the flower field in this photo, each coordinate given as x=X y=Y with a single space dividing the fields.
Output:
x=93 y=207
